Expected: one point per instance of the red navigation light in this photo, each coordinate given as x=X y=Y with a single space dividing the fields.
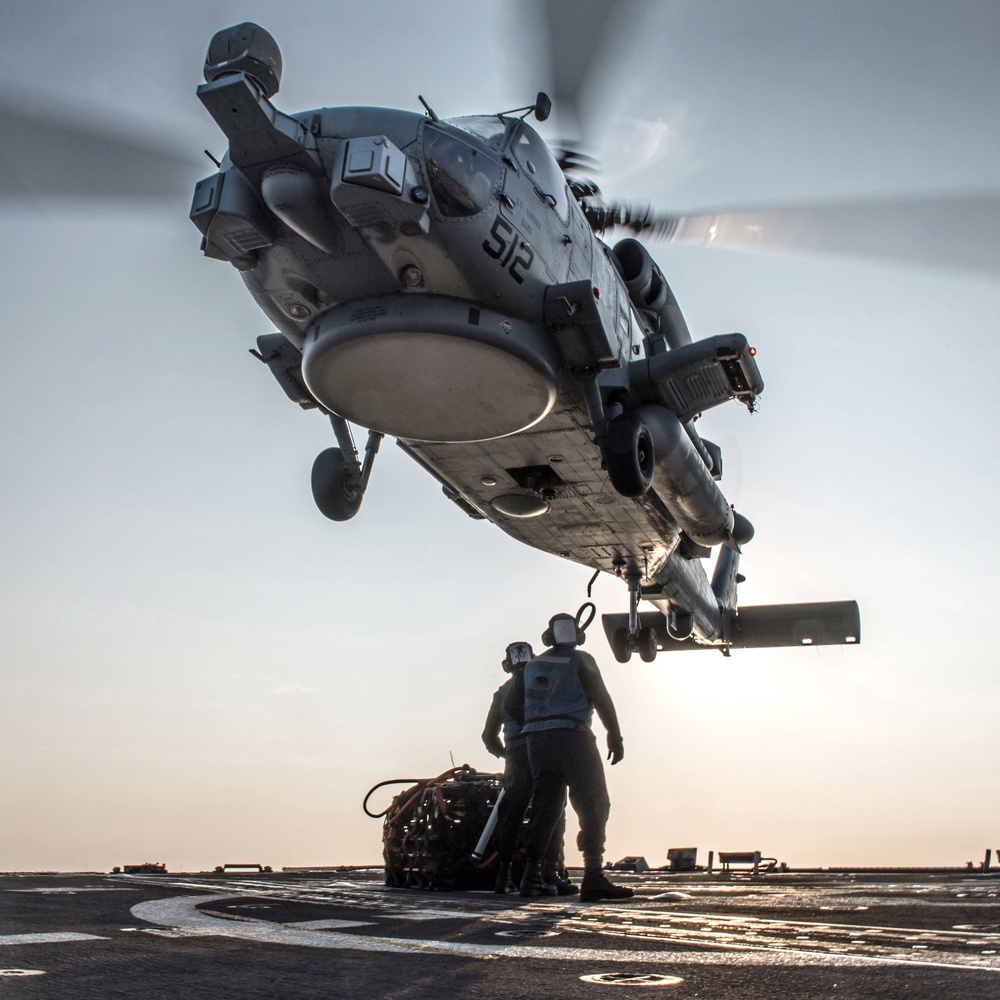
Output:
x=597 y=293
x=752 y=351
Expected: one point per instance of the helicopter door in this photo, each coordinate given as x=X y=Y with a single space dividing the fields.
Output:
x=521 y=211
x=535 y=200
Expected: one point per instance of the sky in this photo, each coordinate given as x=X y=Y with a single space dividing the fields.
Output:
x=198 y=668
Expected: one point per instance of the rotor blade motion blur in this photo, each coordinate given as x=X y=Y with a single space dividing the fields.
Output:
x=578 y=43
x=960 y=231
x=47 y=153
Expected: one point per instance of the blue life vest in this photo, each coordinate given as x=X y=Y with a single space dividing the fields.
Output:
x=554 y=698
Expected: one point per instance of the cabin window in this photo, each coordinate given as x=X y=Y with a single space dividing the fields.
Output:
x=462 y=177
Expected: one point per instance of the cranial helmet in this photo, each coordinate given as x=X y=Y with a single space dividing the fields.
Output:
x=569 y=630
x=516 y=656
x=563 y=630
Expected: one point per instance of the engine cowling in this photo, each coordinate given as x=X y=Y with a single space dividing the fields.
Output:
x=650 y=293
x=683 y=482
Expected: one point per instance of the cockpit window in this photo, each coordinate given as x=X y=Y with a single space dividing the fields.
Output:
x=461 y=176
x=538 y=163
x=491 y=128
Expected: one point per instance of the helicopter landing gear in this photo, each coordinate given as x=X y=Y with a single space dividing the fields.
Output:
x=626 y=641
x=630 y=455
x=620 y=645
x=335 y=485
x=645 y=644
x=338 y=479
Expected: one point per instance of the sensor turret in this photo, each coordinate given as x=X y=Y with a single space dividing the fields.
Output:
x=245 y=48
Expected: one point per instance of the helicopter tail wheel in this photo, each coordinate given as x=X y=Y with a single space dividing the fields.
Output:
x=645 y=643
x=620 y=645
x=335 y=485
x=630 y=455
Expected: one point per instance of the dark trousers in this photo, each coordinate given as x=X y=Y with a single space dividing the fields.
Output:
x=517 y=784
x=561 y=759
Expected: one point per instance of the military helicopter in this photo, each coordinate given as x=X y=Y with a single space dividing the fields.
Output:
x=535 y=387
x=444 y=282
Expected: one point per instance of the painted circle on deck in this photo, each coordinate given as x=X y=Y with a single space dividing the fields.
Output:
x=22 y=972
x=631 y=979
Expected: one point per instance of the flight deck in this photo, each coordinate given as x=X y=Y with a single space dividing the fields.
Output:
x=342 y=933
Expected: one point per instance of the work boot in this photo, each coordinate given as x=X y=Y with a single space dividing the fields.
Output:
x=532 y=883
x=595 y=885
x=553 y=876
x=504 y=882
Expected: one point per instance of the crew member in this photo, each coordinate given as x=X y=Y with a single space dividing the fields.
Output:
x=555 y=697
x=517 y=785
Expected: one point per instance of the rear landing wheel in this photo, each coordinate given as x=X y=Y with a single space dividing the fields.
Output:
x=646 y=644
x=335 y=486
x=620 y=646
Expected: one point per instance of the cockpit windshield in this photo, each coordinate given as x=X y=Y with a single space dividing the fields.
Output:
x=462 y=176
x=490 y=128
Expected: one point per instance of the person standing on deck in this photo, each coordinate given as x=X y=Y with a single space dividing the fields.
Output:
x=554 y=698
x=517 y=785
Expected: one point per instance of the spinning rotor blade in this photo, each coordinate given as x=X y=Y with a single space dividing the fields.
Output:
x=577 y=42
x=46 y=153
x=959 y=231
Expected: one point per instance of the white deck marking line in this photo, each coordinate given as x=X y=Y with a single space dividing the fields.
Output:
x=693 y=925
x=329 y=925
x=695 y=916
x=771 y=943
x=73 y=891
x=182 y=913
x=52 y=937
x=400 y=907
x=383 y=903
x=397 y=906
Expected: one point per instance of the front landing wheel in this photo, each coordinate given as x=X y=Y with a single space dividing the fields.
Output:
x=630 y=455
x=335 y=486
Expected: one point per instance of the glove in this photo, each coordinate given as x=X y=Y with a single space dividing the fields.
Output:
x=616 y=749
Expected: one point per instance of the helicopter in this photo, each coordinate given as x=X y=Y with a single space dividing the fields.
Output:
x=444 y=282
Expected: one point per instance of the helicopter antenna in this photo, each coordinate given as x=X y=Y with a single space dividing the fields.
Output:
x=430 y=111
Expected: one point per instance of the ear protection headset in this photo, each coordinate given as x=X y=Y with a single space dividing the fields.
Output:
x=569 y=630
x=517 y=655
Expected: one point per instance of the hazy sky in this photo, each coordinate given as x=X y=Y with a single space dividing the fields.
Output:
x=199 y=668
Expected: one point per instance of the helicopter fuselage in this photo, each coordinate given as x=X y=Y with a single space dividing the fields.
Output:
x=439 y=282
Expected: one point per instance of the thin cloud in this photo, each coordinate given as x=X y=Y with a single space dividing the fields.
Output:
x=288 y=689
